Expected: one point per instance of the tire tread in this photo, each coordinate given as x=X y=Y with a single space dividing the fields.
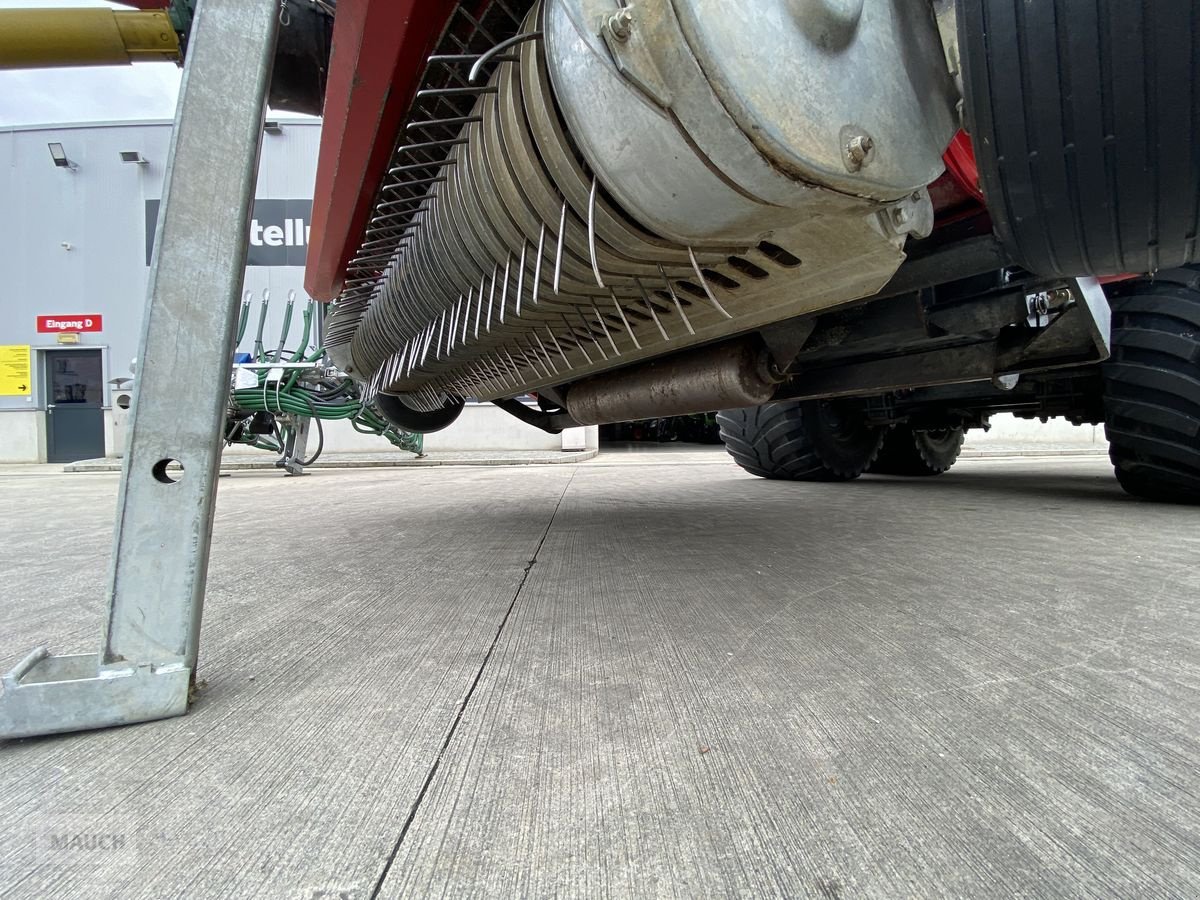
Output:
x=773 y=441
x=1152 y=387
x=1085 y=119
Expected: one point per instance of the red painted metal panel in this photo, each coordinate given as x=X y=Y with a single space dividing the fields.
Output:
x=956 y=194
x=960 y=163
x=379 y=53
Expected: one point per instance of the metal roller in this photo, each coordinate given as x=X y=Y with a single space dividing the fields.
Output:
x=593 y=202
x=732 y=375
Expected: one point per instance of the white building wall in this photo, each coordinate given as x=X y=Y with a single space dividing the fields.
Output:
x=1008 y=429
x=22 y=436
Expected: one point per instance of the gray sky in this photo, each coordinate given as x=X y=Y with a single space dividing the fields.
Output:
x=93 y=94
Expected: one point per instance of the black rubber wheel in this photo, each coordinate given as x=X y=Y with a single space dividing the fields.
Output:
x=918 y=453
x=415 y=421
x=810 y=440
x=1085 y=120
x=1152 y=386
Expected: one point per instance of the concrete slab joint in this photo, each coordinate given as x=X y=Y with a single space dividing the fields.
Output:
x=164 y=524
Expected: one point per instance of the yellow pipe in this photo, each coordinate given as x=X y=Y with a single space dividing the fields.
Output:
x=39 y=38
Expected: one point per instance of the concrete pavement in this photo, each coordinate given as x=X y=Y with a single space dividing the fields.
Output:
x=645 y=679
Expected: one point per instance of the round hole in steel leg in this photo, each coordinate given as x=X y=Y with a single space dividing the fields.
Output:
x=161 y=473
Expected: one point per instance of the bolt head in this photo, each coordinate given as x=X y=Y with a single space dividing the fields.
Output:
x=858 y=148
x=620 y=23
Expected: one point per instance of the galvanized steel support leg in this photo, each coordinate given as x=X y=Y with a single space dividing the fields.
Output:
x=164 y=516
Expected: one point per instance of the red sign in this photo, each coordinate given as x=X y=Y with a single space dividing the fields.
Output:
x=83 y=322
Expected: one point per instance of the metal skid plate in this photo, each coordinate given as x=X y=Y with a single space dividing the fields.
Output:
x=164 y=522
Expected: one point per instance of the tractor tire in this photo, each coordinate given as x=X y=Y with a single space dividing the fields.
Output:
x=1084 y=116
x=1152 y=386
x=810 y=440
x=918 y=453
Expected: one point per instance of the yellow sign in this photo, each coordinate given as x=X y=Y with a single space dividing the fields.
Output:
x=15 y=370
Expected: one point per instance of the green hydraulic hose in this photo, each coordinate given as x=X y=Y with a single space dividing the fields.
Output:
x=287 y=326
x=243 y=319
x=262 y=320
x=303 y=346
x=252 y=399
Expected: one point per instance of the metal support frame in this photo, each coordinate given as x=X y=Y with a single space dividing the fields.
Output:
x=296 y=450
x=1078 y=334
x=160 y=552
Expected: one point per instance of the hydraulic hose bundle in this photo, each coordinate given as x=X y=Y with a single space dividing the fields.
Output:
x=274 y=393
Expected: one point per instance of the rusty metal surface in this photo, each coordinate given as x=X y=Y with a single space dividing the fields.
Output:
x=728 y=376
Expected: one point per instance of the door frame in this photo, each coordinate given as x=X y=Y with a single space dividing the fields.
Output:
x=41 y=392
